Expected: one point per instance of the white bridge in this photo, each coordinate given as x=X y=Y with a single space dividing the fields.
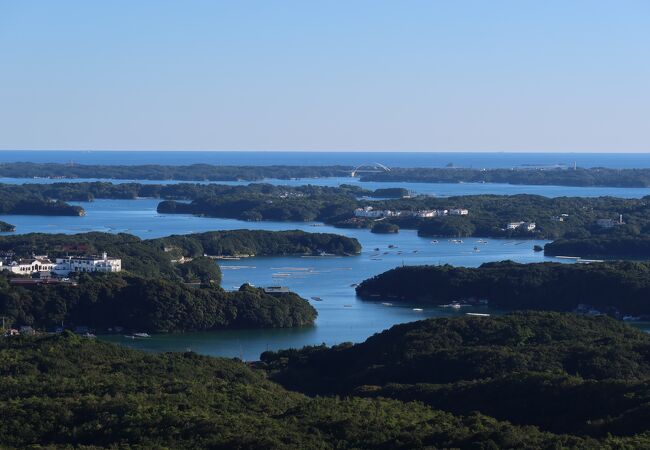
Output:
x=369 y=168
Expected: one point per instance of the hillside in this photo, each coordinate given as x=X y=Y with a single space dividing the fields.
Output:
x=62 y=391
x=614 y=287
x=564 y=373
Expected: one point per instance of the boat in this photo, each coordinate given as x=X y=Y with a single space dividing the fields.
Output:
x=141 y=335
x=318 y=299
x=386 y=304
x=354 y=285
x=476 y=249
x=376 y=249
x=435 y=241
x=418 y=309
x=478 y=314
x=392 y=246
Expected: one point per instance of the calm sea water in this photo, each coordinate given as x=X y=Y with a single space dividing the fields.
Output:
x=435 y=189
x=342 y=317
x=391 y=159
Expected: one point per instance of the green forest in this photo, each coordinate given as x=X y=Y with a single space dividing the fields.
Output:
x=572 y=218
x=444 y=383
x=159 y=256
x=597 y=176
x=28 y=200
x=148 y=304
x=615 y=287
x=564 y=373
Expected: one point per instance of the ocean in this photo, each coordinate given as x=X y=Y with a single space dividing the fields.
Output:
x=390 y=159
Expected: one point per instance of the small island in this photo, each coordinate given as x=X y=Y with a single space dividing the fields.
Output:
x=384 y=228
x=619 y=289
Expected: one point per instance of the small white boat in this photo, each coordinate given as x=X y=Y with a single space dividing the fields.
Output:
x=386 y=304
x=318 y=299
x=141 y=335
x=418 y=309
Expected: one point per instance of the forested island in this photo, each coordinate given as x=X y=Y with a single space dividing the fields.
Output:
x=575 y=219
x=194 y=172
x=156 y=305
x=612 y=247
x=534 y=380
x=153 y=293
x=616 y=288
x=559 y=176
x=161 y=256
x=28 y=200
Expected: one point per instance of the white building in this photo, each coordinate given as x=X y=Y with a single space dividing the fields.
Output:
x=529 y=226
x=28 y=266
x=514 y=225
x=458 y=212
x=70 y=264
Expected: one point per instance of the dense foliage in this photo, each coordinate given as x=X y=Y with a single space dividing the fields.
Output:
x=601 y=247
x=563 y=217
x=597 y=176
x=27 y=200
x=6 y=227
x=194 y=172
x=65 y=390
x=612 y=287
x=145 y=304
x=160 y=256
x=564 y=373
x=384 y=227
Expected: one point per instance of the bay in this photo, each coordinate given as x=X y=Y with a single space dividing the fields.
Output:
x=342 y=316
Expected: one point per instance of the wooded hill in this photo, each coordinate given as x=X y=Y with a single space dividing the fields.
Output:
x=65 y=390
x=611 y=287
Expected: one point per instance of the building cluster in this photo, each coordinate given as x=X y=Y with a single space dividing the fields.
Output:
x=371 y=213
x=61 y=267
x=560 y=218
x=528 y=226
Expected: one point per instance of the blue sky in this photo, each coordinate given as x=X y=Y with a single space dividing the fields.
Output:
x=326 y=75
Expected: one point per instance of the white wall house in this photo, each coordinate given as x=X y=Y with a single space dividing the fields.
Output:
x=459 y=212
x=70 y=264
x=529 y=226
x=28 y=266
x=514 y=225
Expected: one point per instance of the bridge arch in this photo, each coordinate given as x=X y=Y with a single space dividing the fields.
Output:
x=369 y=168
